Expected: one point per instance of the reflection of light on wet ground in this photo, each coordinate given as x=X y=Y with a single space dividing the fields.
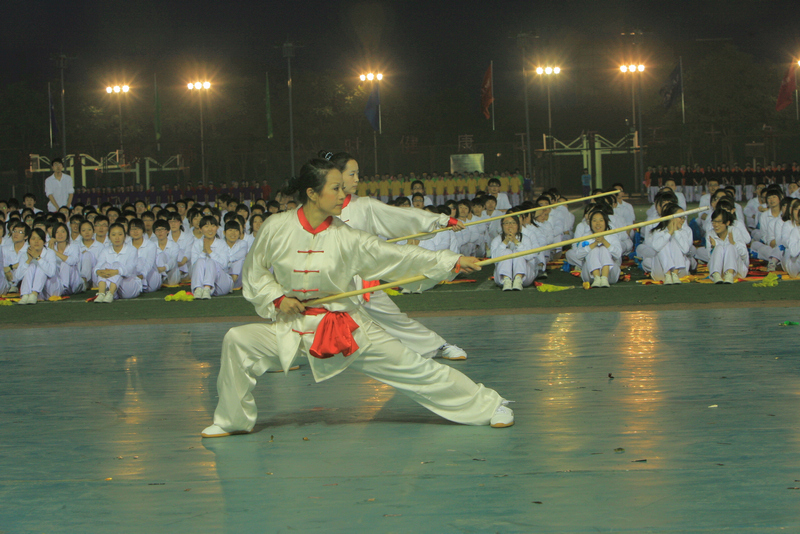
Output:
x=637 y=342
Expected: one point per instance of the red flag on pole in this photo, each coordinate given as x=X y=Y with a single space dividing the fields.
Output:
x=788 y=85
x=487 y=93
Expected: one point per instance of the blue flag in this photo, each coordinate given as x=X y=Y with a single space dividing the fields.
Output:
x=672 y=89
x=373 y=108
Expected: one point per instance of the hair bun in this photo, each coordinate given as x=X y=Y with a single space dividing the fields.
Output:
x=324 y=154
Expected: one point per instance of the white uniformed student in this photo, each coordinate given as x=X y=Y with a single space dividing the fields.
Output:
x=237 y=250
x=167 y=255
x=68 y=257
x=184 y=240
x=37 y=274
x=514 y=273
x=672 y=247
x=328 y=255
x=14 y=252
x=493 y=188
x=601 y=257
x=116 y=269
x=791 y=258
x=146 y=253
x=58 y=187
x=728 y=255
x=210 y=257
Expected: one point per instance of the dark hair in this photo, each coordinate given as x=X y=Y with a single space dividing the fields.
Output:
x=670 y=209
x=727 y=205
x=208 y=219
x=727 y=217
x=55 y=228
x=149 y=214
x=602 y=213
x=339 y=159
x=86 y=221
x=135 y=223
x=117 y=225
x=516 y=220
x=313 y=175
x=545 y=198
x=29 y=195
x=493 y=181
x=233 y=225
x=415 y=182
x=39 y=232
x=775 y=190
x=56 y=160
x=417 y=195
x=253 y=220
x=160 y=224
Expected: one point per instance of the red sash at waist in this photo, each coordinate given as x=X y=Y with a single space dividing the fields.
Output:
x=334 y=334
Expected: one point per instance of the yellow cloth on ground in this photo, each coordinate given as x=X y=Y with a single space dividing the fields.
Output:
x=180 y=296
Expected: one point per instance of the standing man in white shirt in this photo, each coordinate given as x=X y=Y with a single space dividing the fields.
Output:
x=59 y=187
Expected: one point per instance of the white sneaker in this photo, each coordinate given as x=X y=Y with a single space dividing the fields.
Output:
x=214 y=431
x=453 y=352
x=503 y=416
x=597 y=282
x=508 y=284
x=24 y=299
x=772 y=265
x=517 y=286
x=207 y=293
x=100 y=298
x=716 y=278
x=109 y=297
x=728 y=278
x=676 y=279
x=32 y=299
x=604 y=282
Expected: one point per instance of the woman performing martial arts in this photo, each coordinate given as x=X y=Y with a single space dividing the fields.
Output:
x=376 y=218
x=309 y=252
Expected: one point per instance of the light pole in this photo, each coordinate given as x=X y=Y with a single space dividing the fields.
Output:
x=633 y=70
x=796 y=103
x=196 y=86
x=119 y=90
x=375 y=78
x=548 y=71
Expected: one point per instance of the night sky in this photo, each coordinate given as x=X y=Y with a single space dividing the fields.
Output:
x=419 y=45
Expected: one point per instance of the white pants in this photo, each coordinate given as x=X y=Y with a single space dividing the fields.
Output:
x=792 y=265
x=207 y=272
x=724 y=258
x=251 y=350
x=411 y=333
x=669 y=258
x=87 y=267
x=749 y=190
x=440 y=200
x=511 y=268
x=598 y=258
x=35 y=280
x=151 y=281
x=70 y=276
x=128 y=287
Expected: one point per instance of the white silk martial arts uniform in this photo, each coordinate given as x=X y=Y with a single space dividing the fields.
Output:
x=376 y=218
x=318 y=262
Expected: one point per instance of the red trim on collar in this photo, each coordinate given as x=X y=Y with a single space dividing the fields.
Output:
x=307 y=226
x=346 y=201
